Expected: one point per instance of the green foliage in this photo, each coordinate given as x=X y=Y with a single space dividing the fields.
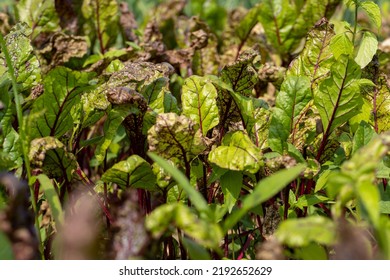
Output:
x=206 y=127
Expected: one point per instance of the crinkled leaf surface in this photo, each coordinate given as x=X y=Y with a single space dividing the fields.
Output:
x=62 y=92
x=301 y=232
x=338 y=97
x=40 y=15
x=132 y=172
x=199 y=102
x=175 y=137
x=238 y=154
x=316 y=58
x=25 y=63
x=242 y=76
x=52 y=156
x=293 y=97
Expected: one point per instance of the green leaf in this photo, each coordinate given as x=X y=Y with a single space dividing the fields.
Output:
x=52 y=156
x=338 y=97
x=155 y=93
x=293 y=97
x=6 y=252
x=362 y=137
x=246 y=25
x=195 y=251
x=231 y=183
x=26 y=65
x=254 y=115
x=263 y=191
x=367 y=49
x=316 y=58
x=203 y=231
x=179 y=215
x=341 y=44
x=241 y=76
x=52 y=198
x=286 y=23
x=133 y=172
x=199 y=101
x=238 y=154
x=102 y=17
x=384 y=207
x=62 y=91
x=39 y=15
x=196 y=198
x=114 y=119
x=373 y=12
x=355 y=179
x=301 y=232
x=175 y=137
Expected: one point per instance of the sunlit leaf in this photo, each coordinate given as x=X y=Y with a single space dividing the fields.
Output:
x=301 y=232
x=367 y=49
x=238 y=154
x=133 y=172
x=199 y=102
x=293 y=97
x=338 y=97
x=175 y=137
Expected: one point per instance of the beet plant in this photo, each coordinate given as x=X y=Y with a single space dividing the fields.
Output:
x=194 y=130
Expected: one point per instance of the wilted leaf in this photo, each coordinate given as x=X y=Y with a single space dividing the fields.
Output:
x=301 y=232
x=62 y=92
x=239 y=153
x=199 y=102
x=175 y=137
x=133 y=172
